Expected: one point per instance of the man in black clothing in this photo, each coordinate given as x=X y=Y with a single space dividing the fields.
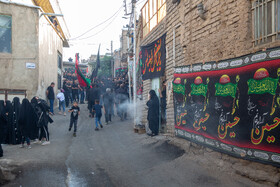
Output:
x=69 y=86
x=66 y=93
x=50 y=96
x=122 y=98
x=74 y=77
x=94 y=94
x=75 y=91
x=82 y=94
x=75 y=112
x=108 y=103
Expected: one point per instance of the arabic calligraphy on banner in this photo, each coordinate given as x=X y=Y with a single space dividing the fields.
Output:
x=233 y=107
x=153 y=59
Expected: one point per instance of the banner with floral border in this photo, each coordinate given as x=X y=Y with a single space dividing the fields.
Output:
x=232 y=106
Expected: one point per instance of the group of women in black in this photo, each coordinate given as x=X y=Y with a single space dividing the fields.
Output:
x=20 y=122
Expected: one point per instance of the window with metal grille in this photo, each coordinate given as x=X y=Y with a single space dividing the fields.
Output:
x=152 y=13
x=59 y=69
x=5 y=34
x=266 y=21
x=59 y=81
x=59 y=60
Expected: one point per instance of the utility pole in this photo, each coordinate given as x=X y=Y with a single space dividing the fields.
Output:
x=128 y=63
x=112 y=59
x=134 y=59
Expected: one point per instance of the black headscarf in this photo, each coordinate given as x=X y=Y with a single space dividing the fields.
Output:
x=8 y=106
x=34 y=101
x=153 y=94
x=16 y=106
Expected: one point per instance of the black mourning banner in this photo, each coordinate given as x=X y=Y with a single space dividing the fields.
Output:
x=153 y=59
x=232 y=106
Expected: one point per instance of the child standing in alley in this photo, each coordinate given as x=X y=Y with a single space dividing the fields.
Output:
x=75 y=112
x=98 y=113
x=61 y=98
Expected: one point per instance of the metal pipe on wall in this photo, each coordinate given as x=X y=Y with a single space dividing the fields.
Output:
x=174 y=44
x=134 y=60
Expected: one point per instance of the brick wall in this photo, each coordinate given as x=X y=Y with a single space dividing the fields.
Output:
x=225 y=33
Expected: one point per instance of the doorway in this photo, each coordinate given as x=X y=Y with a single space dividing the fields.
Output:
x=155 y=86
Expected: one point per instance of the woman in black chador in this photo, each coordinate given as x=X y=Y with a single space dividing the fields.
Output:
x=153 y=113
x=26 y=121
x=35 y=129
x=3 y=124
x=9 y=112
x=15 y=126
x=43 y=110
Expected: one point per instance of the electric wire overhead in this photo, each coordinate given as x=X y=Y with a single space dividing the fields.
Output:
x=100 y=30
x=113 y=16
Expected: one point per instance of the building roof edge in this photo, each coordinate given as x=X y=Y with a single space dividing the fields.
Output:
x=19 y=4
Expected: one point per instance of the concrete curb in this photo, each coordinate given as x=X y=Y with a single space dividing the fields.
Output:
x=258 y=172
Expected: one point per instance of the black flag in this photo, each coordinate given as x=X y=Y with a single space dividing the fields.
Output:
x=95 y=71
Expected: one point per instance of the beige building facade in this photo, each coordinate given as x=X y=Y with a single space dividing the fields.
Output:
x=121 y=55
x=35 y=56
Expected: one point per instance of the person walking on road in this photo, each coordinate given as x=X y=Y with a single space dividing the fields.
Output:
x=94 y=94
x=122 y=99
x=75 y=112
x=98 y=114
x=61 y=98
x=50 y=96
x=44 y=119
x=108 y=102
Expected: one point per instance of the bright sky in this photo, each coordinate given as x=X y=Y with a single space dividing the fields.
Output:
x=82 y=15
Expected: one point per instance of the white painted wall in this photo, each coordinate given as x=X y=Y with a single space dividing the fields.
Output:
x=49 y=46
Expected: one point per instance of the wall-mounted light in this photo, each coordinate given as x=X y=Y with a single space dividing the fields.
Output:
x=50 y=14
x=201 y=11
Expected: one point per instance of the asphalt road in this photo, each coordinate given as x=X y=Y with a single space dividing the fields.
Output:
x=112 y=156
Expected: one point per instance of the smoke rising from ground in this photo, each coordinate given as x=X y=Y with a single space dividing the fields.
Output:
x=129 y=108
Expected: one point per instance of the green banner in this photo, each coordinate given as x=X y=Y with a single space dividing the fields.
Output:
x=178 y=88
x=200 y=89
x=266 y=85
x=224 y=90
